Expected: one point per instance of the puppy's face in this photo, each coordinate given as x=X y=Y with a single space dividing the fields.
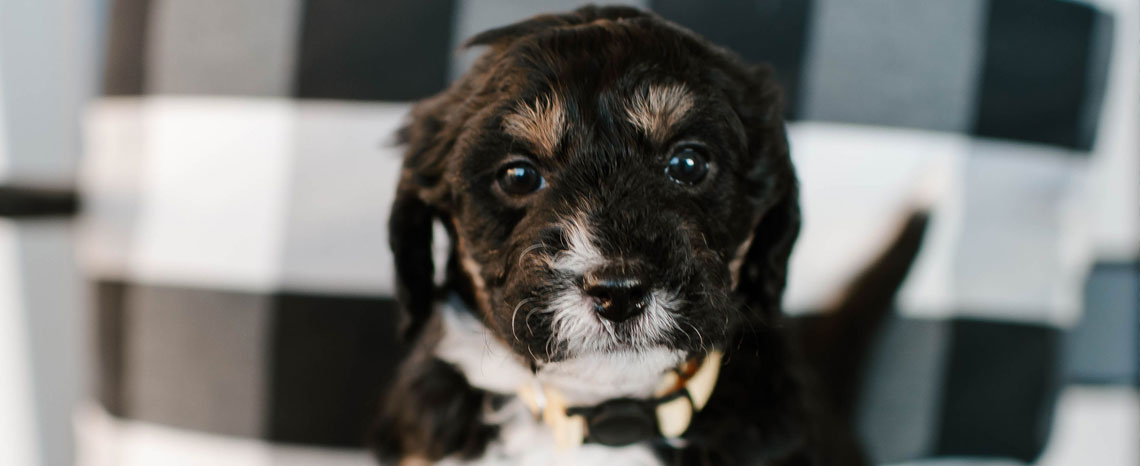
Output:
x=603 y=182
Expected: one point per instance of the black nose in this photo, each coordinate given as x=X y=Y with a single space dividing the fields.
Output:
x=617 y=298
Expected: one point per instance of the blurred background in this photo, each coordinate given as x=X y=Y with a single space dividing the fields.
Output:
x=193 y=193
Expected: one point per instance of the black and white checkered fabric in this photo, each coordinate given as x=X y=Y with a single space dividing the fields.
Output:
x=239 y=167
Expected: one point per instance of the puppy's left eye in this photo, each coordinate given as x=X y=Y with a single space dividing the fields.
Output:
x=520 y=178
x=687 y=166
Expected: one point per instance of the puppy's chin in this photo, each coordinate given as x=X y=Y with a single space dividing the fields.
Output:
x=595 y=377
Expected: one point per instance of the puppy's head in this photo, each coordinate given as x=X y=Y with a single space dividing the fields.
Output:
x=609 y=181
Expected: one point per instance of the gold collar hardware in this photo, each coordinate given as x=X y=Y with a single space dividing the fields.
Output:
x=680 y=394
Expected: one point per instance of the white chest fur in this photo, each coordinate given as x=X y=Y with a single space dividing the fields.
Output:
x=489 y=365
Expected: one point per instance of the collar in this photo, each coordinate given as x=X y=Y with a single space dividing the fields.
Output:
x=681 y=393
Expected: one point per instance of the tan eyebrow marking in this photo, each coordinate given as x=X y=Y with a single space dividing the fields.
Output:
x=659 y=107
x=542 y=123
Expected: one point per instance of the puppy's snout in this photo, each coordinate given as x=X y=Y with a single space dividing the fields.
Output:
x=617 y=296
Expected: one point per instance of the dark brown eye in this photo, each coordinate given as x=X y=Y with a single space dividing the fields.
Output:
x=520 y=178
x=687 y=166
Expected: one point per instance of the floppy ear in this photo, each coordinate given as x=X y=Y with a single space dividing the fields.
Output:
x=409 y=235
x=420 y=195
x=775 y=190
x=765 y=270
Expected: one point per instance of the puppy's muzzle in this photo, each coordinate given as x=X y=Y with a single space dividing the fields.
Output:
x=618 y=293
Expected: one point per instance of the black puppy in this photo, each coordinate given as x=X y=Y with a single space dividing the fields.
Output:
x=620 y=207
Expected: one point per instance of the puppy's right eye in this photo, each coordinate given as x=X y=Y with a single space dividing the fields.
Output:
x=520 y=178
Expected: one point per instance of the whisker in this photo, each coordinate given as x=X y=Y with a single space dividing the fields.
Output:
x=700 y=337
x=515 y=313
x=528 y=250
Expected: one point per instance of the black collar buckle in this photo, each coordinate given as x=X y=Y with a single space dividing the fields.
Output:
x=619 y=422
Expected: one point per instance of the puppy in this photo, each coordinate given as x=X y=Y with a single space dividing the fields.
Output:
x=620 y=206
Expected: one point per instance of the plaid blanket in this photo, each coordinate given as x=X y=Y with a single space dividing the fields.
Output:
x=238 y=169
